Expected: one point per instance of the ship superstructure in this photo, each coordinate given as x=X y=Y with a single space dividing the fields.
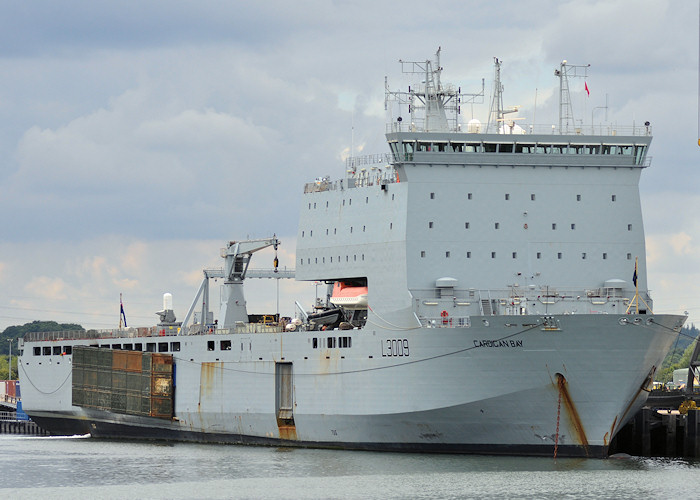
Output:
x=471 y=269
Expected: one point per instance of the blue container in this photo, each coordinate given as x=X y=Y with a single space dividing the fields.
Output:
x=20 y=412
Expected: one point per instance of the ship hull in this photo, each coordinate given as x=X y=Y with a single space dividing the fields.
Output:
x=516 y=386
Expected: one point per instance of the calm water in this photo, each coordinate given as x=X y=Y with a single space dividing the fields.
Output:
x=48 y=468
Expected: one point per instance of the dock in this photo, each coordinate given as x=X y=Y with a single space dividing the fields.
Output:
x=10 y=424
x=662 y=431
x=14 y=421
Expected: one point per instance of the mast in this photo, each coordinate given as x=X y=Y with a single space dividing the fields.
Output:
x=566 y=111
x=432 y=106
x=496 y=113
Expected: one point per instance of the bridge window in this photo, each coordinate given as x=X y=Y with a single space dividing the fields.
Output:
x=625 y=150
x=639 y=154
x=68 y=349
x=162 y=347
x=174 y=346
x=150 y=347
x=225 y=345
x=559 y=148
x=524 y=148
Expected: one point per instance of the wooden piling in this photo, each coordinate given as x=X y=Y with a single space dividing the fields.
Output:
x=691 y=441
x=26 y=427
x=669 y=421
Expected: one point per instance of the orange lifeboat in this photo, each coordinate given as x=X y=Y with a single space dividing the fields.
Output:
x=349 y=296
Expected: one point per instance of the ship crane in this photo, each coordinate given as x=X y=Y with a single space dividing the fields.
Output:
x=236 y=255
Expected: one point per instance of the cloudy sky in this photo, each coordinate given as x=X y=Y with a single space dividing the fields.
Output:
x=137 y=137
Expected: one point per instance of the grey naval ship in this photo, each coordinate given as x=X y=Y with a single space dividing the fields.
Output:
x=486 y=293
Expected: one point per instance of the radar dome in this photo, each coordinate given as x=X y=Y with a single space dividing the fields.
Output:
x=474 y=126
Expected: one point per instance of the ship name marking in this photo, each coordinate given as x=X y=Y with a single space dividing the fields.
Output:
x=498 y=343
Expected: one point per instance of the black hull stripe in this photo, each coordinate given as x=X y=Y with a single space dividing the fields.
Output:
x=64 y=426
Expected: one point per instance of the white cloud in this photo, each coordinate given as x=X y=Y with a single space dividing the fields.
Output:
x=134 y=138
x=46 y=288
x=86 y=288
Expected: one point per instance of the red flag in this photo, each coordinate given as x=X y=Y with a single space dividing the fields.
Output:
x=587 y=91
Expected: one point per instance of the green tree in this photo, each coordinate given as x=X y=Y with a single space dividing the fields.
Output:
x=676 y=358
x=17 y=332
x=3 y=367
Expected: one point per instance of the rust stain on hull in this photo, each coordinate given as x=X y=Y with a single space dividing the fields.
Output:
x=288 y=432
x=211 y=375
x=572 y=412
x=611 y=433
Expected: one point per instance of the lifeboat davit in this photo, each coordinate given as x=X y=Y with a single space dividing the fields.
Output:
x=349 y=296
